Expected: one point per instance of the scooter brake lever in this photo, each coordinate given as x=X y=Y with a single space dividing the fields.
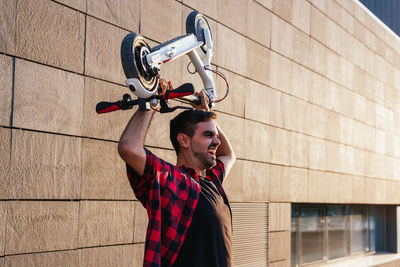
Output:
x=166 y=110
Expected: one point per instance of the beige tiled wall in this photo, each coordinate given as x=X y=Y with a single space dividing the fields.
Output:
x=313 y=115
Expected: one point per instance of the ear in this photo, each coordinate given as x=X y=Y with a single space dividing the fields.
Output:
x=184 y=140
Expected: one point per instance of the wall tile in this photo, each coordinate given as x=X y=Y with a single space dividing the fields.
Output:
x=235 y=129
x=107 y=126
x=299 y=150
x=283 y=9
x=47 y=99
x=233 y=184
x=346 y=102
x=3 y=223
x=359 y=162
x=318 y=121
x=257 y=144
x=297 y=180
x=289 y=41
x=332 y=156
x=140 y=223
x=257 y=62
x=6 y=67
x=34 y=226
x=265 y=3
x=103 y=51
x=278 y=248
x=158 y=132
x=333 y=126
x=256 y=181
x=295 y=114
x=229 y=43
x=138 y=253
x=103 y=172
x=240 y=89
x=288 y=184
x=301 y=15
x=324 y=29
x=258 y=99
x=124 y=255
x=234 y=14
x=375 y=191
x=105 y=223
x=358 y=189
x=62 y=259
x=80 y=4
x=279 y=216
x=280 y=73
x=278 y=184
x=51 y=34
x=281 y=146
x=301 y=81
x=207 y=8
x=5 y=161
x=123 y=13
x=258 y=23
x=281 y=263
x=346 y=130
x=345 y=188
x=316 y=153
x=8 y=15
x=317 y=89
x=318 y=186
x=44 y=166
x=158 y=24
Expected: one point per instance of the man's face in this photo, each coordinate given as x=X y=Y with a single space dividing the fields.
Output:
x=204 y=143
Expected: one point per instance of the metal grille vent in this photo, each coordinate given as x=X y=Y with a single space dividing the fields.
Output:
x=250 y=234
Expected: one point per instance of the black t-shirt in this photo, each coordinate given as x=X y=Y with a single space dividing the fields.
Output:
x=208 y=242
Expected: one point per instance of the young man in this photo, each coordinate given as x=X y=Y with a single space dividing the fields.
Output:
x=189 y=213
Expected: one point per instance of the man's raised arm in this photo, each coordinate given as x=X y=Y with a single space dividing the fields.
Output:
x=225 y=151
x=131 y=144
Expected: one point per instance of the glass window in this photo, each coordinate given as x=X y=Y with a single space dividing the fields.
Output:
x=294 y=234
x=359 y=230
x=321 y=233
x=337 y=231
x=377 y=228
x=312 y=231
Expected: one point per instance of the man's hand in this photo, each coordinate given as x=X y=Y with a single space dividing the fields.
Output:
x=204 y=101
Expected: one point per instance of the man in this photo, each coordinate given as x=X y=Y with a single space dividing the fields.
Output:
x=189 y=213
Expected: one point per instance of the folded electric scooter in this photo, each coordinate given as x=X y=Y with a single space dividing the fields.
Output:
x=142 y=66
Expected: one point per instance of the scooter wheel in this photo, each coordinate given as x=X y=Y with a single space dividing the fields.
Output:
x=195 y=23
x=133 y=50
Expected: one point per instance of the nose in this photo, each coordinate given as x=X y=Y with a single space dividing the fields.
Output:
x=216 y=141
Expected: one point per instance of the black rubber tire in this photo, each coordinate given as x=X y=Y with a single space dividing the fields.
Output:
x=195 y=23
x=132 y=47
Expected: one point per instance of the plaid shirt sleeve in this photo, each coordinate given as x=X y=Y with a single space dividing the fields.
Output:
x=170 y=197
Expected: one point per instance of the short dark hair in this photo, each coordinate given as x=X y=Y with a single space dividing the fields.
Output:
x=185 y=122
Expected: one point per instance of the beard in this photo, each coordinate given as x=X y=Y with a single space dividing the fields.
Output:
x=205 y=158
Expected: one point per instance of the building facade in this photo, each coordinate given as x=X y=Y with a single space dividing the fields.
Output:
x=313 y=115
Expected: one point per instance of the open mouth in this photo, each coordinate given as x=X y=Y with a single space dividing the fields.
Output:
x=212 y=151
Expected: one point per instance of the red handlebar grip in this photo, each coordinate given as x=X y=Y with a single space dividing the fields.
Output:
x=105 y=107
x=183 y=90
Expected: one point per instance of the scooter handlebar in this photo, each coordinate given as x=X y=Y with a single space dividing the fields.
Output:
x=184 y=92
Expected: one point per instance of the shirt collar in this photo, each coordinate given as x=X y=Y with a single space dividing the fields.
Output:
x=190 y=171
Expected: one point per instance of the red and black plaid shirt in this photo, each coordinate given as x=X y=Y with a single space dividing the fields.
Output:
x=170 y=195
